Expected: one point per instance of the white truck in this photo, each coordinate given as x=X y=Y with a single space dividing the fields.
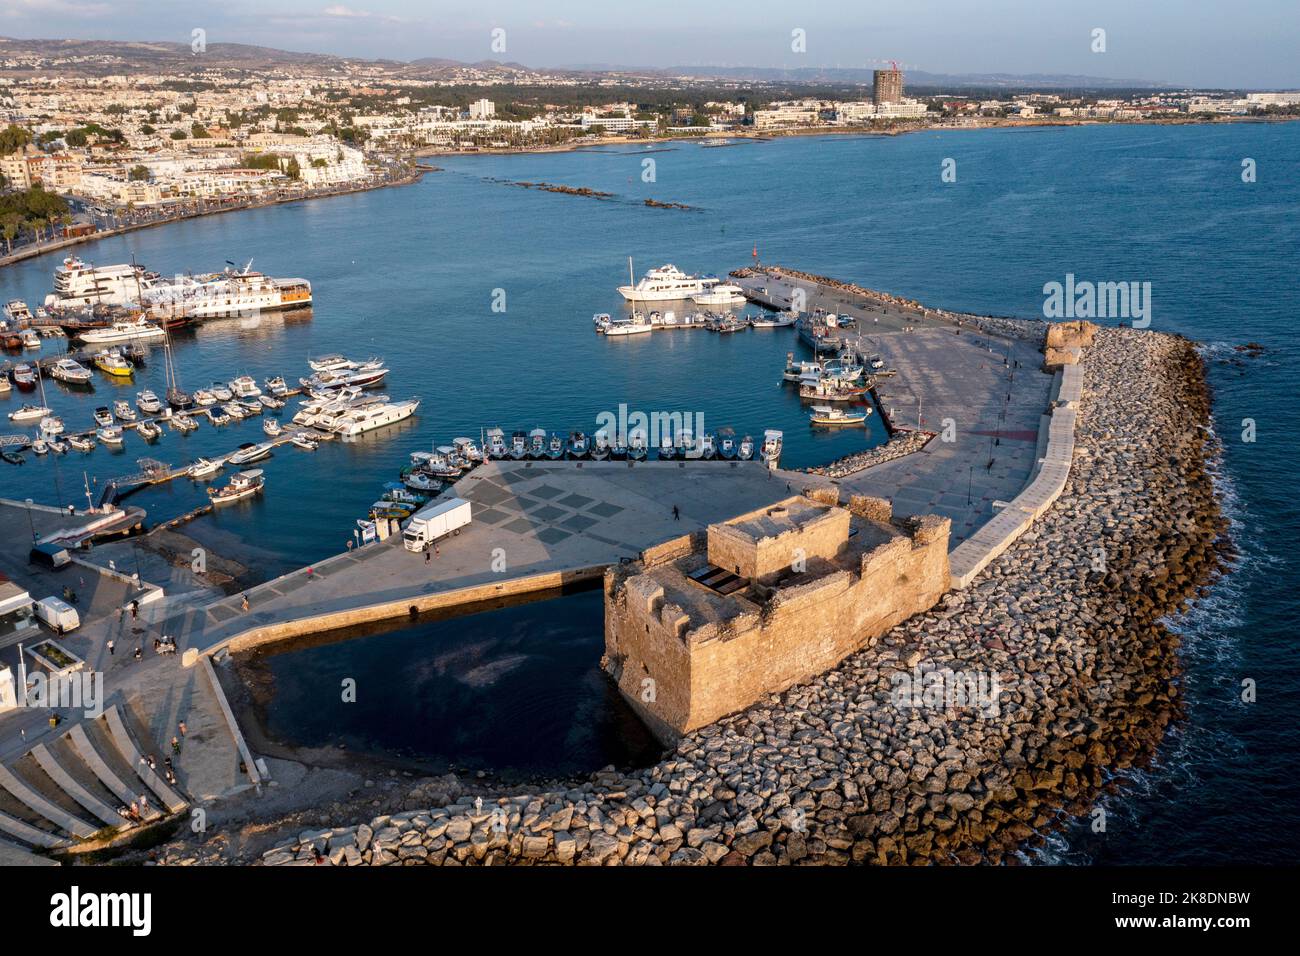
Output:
x=435 y=521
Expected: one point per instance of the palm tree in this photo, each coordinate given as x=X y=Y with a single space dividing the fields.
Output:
x=10 y=227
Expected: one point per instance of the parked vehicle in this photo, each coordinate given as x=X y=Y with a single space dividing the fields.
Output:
x=57 y=615
x=436 y=521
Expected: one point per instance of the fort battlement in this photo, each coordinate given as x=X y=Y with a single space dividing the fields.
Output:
x=707 y=624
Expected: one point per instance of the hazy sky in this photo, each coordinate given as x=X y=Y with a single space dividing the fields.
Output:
x=1245 y=43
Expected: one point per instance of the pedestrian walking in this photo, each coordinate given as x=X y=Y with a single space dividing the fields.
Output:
x=428 y=556
x=176 y=746
x=139 y=654
x=135 y=610
x=111 y=645
x=181 y=727
x=677 y=515
x=243 y=602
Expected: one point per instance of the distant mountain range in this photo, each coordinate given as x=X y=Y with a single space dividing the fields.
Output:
x=100 y=57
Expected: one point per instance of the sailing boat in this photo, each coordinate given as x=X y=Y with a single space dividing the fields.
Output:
x=176 y=397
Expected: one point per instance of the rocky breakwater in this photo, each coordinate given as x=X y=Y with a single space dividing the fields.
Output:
x=901 y=444
x=961 y=735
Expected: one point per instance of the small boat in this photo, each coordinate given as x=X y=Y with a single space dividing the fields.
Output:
x=241 y=485
x=250 y=406
x=468 y=450
x=277 y=387
x=636 y=445
x=249 y=452
x=272 y=427
x=667 y=450
x=779 y=321
x=218 y=417
x=13 y=457
x=421 y=481
x=70 y=372
x=40 y=447
x=274 y=404
x=726 y=444
x=518 y=446
x=111 y=363
x=876 y=363
x=221 y=391
x=746 y=450
x=56 y=446
x=495 y=443
x=110 y=436
x=773 y=440
x=104 y=417
x=203 y=468
x=179 y=398
x=304 y=441
x=244 y=387
x=51 y=425
x=204 y=398
x=396 y=491
x=600 y=445
x=708 y=450
x=5 y=387
x=82 y=442
x=235 y=410
x=577 y=447
x=30 y=339
x=29 y=413
x=24 y=378
x=149 y=431
x=121 y=409
x=148 y=402
x=555 y=447
x=183 y=423
x=830 y=415
x=537 y=443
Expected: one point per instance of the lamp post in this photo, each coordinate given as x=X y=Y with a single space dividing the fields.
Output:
x=30 y=523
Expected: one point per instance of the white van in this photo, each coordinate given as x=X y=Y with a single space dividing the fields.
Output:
x=56 y=613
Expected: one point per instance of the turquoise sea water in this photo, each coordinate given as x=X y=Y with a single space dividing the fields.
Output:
x=410 y=274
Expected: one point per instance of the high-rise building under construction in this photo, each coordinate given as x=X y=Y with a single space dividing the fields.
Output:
x=888 y=86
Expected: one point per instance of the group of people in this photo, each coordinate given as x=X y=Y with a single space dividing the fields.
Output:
x=164 y=645
x=137 y=810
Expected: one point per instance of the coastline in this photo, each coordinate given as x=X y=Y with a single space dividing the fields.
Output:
x=1089 y=673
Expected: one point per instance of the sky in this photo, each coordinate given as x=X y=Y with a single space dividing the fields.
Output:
x=1203 y=43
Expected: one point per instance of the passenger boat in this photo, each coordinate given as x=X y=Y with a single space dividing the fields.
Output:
x=81 y=442
x=221 y=391
x=70 y=372
x=204 y=398
x=218 y=417
x=244 y=387
x=723 y=293
x=51 y=425
x=137 y=330
x=746 y=450
x=24 y=377
x=577 y=446
x=727 y=444
x=111 y=363
x=304 y=441
x=148 y=402
x=104 y=417
x=600 y=445
x=203 y=468
x=272 y=427
x=830 y=415
x=519 y=446
x=29 y=413
x=111 y=435
x=773 y=441
x=241 y=485
x=664 y=284
x=636 y=445
x=40 y=447
x=495 y=443
x=249 y=452
x=149 y=431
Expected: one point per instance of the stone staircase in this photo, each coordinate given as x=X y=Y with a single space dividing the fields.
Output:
x=70 y=789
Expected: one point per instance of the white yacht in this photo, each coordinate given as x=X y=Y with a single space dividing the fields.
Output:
x=78 y=283
x=132 y=331
x=228 y=294
x=636 y=324
x=666 y=284
x=724 y=293
x=375 y=416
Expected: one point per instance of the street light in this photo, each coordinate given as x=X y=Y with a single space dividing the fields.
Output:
x=30 y=523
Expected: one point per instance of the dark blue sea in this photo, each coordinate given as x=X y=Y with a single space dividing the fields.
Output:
x=411 y=274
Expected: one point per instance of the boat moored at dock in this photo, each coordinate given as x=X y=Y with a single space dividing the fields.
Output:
x=241 y=485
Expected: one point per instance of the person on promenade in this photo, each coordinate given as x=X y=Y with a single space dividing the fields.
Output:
x=139 y=654
x=176 y=746
x=677 y=515
x=181 y=727
x=243 y=602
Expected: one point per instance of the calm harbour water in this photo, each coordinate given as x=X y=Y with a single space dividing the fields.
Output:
x=410 y=274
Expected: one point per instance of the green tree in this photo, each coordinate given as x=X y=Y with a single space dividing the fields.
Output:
x=139 y=173
x=76 y=137
x=199 y=131
x=13 y=138
x=178 y=134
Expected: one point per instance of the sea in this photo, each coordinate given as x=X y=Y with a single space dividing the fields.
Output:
x=479 y=293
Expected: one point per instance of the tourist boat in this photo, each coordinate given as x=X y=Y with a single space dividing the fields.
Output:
x=78 y=283
x=441 y=465
x=231 y=293
x=29 y=413
x=577 y=446
x=708 y=449
x=244 y=387
x=272 y=427
x=234 y=410
x=722 y=293
x=81 y=442
x=830 y=415
x=467 y=449
x=773 y=441
x=277 y=387
x=221 y=391
x=664 y=284
x=112 y=435
x=111 y=363
x=636 y=445
x=274 y=404
x=635 y=324
x=70 y=372
x=217 y=416
x=600 y=445
x=24 y=377
x=242 y=484
x=249 y=452
x=555 y=447
x=148 y=402
x=40 y=447
x=30 y=339
x=779 y=321
x=204 y=398
x=56 y=446
x=537 y=443
x=495 y=443
x=727 y=444
x=149 y=431
x=51 y=425
x=104 y=416
x=137 y=330
x=518 y=446
x=203 y=468
x=667 y=448
x=304 y=441
x=745 y=452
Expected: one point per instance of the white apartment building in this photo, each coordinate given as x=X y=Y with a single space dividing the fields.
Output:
x=482 y=109
x=806 y=113
x=865 y=111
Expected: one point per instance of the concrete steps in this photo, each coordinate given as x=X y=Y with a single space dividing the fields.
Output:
x=97 y=807
x=172 y=800
x=25 y=793
x=109 y=776
x=30 y=834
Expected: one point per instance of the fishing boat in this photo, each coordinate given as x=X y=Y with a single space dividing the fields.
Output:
x=421 y=481
x=831 y=390
x=727 y=444
x=518 y=446
x=51 y=425
x=779 y=321
x=495 y=443
x=773 y=442
x=391 y=509
x=249 y=452
x=830 y=415
x=111 y=435
x=222 y=391
x=600 y=445
x=577 y=447
x=112 y=363
x=272 y=427
x=40 y=447
x=70 y=372
x=244 y=387
x=667 y=448
x=203 y=468
x=798 y=371
x=555 y=447
x=537 y=443
x=745 y=452
x=241 y=485
x=304 y=441
x=24 y=378
x=396 y=491
x=149 y=431
x=204 y=398
x=467 y=449
x=137 y=330
x=274 y=404
x=148 y=402
x=29 y=413
x=637 y=449
x=122 y=410
x=218 y=417
x=708 y=447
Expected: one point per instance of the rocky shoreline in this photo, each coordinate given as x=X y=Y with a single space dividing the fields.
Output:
x=901 y=444
x=1066 y=624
